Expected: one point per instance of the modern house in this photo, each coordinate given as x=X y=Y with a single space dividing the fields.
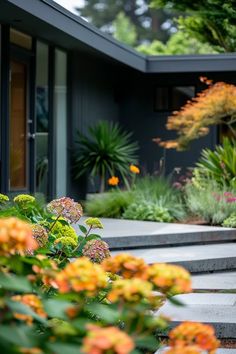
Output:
x=60 y=74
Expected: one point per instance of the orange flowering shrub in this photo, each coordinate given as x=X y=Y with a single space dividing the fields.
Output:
x=170 y=279
x=193 y=349
x=195 y=334
x=31 y=350
x=16 y=237
x=134 y=169
x=130 y=290
x=113 y=181
x=126 y=265
x=34 y=303
x=215 y=105
x=107 y=340
x=81 y=276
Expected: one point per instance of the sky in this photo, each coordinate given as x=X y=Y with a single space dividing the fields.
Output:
x=70 y=4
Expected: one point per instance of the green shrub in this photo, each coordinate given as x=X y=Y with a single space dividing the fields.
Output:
x=220 y=164
x=212 y=203
x=147 y=211
x=156 y=193
x=106 y=151
x=230 y=221
x=109 y=205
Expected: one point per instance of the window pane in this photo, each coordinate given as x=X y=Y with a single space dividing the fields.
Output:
x=18 y=111
x=60 y=119
x=20 y=39
x=180 y=96
x=42 y=118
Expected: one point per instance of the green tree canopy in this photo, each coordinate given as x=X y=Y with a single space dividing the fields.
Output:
x=124 y=30
x=179 y=43
x=209 y=21
x=150 y=23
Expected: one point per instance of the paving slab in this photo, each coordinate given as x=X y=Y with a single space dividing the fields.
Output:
x=129 y=233
x=224 y=281
x=197 y=258
x=219 y=351
x=219 y=310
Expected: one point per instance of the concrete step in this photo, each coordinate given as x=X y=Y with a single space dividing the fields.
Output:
x=123 y=234
x=219 y=351
x=222 y=281
x=219 y=310
x=197 y=259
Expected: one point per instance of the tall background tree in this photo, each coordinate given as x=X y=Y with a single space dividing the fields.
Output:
x=150 y=23
x=209 y=21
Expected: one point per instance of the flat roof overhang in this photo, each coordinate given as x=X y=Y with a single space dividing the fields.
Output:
x=47 y=20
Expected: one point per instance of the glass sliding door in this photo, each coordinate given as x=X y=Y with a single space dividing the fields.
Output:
x=42 y=118
x=60 y=122
x=18 y=126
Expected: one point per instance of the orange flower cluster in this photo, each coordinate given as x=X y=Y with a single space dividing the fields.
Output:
x=113 y=181
x=134 y=169
x=130 y=290
x=107 y=340
x=16 y=237
x=169 y=279
x=31 y=350
x=210 y=107
x=194 y=335
x=126 y=265
x=81 y=276
x=34 y=303
x=193 y=349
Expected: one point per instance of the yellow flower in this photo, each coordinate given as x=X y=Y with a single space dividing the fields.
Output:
x=130 y=290
x=16 y=237
x=66 y=241
x=94 y=223
x=3 y=199
x=169 y=279
x=81 y=276
x=134 y=169
x=34 y=303
x=113 y=181
x=107 y=340
x=24 y=200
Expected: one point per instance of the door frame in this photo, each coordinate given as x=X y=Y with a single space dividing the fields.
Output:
x=28 y=58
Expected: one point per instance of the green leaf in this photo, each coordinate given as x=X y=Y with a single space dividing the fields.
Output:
x=83 y=229
x=62 y=348
x=175 y=301
x=15 y=283
x=21 y=335
x=104 y=312
x=56 y=308
x=19 y=307
x=148 y=342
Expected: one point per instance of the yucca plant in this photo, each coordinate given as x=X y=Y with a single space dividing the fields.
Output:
x=221 y=163
x=106 y=150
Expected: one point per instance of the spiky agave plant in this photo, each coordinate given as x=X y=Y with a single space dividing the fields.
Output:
x=107 y=149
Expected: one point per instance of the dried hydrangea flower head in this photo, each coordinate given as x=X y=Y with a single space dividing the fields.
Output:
x=24 y=200
x=34 y=303
x=40 y=234
x=94 y=223
x=3 y=199
x=194 y=334
x=96 y=250
x=107 y=340
x=67 y=208
x=16 y=237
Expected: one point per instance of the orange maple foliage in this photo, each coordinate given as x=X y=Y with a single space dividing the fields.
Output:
x=215 y=105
